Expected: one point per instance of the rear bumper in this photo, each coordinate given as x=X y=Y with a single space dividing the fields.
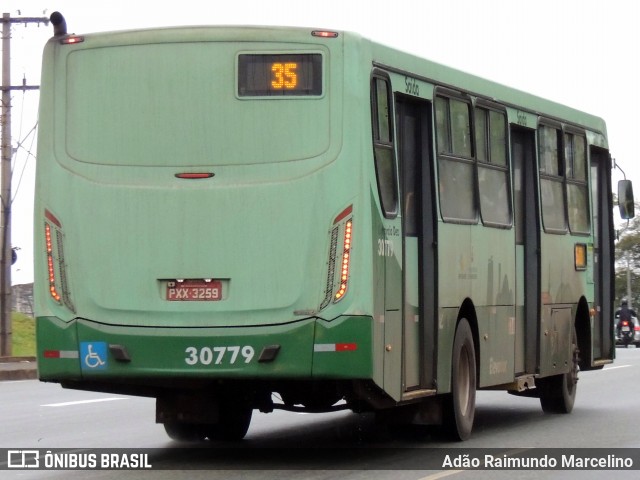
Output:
x=84 y=350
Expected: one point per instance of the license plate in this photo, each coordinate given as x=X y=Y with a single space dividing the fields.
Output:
x=625 y=329
x=194 y=291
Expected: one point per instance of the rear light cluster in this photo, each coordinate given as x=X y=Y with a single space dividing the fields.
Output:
x=339 y=261
x=58 y=288
x=346 y=253
x=52 y=275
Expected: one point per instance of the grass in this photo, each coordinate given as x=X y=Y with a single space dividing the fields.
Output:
x=23 y=335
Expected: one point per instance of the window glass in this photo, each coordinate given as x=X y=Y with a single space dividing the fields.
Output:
x=386 y=174
x=457 y=177
x=578 y=205
x=548 y=150
x=577 y=188
x=382 y=95
x=580 y=158
x=498 y=129
x=481 y=134
x=460 y=128
x=456 y=190
x=383 y=150
x=493 y=172
x=552 y=198
x=552 y=181
x=442 y=124
x=495 y=206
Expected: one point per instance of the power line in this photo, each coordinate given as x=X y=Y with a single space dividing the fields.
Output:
x=26 y=160
x=5 y=190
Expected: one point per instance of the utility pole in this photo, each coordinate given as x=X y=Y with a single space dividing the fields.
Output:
x=629 y=298
x=5 y=179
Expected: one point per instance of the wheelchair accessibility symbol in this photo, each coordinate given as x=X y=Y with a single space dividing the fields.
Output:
x=93 y=355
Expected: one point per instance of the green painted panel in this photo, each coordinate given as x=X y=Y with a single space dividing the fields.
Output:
x=57 y=349
x=149 y=111
x=556 y=352
x=497 y=332
x=343 y=348
x=197 y=352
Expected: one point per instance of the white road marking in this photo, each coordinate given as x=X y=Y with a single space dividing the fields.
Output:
x=613 y=368
x=80 y=402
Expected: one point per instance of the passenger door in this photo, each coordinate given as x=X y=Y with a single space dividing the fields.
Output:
x=527 y=249
x=602 y=343
x=419 y=262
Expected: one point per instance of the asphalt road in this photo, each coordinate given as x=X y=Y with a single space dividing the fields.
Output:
x=45 y=416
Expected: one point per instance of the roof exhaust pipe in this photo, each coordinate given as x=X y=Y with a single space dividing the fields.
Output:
x=59 y=24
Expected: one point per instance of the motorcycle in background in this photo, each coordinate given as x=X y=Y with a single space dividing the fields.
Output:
x=626 y=332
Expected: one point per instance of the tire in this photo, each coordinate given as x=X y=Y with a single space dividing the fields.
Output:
x=185 y=432
x=233 y=426
x=460 y=405
x=558 y=393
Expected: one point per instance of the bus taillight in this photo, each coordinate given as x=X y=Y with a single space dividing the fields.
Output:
x=324 y=34
x=72 y=40
x=52 y=274
x=339 y=260
x=55 y=261
x=346 y=260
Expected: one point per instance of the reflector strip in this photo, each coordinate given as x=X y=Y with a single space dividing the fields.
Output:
x=52 y=218
x=194 y=176
x=335 y=347
x=345 y=213
x=332 y=267
x=61 y=354
x=580 y=256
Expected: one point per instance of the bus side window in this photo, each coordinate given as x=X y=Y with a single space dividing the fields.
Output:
x=551 y=179
x=493 y=167
x=575 y=153
x=455 y=163
x=383 y=150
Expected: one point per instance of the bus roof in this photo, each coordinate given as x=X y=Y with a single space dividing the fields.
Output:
x=401 y=62
x=383 y=56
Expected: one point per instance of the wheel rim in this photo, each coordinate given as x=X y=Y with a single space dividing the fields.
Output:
x=463 y=381
x=572 y=375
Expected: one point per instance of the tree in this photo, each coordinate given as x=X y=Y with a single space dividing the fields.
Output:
x=627 y=257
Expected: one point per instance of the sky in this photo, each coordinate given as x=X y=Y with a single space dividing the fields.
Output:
x=582 y=53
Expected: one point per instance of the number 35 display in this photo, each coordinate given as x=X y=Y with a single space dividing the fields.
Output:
x=272 y=75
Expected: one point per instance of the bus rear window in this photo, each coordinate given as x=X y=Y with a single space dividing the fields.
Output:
x=171 y=104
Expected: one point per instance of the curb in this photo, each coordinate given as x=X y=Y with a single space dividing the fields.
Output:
x=18 y=368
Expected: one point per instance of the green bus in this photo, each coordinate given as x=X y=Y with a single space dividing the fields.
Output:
x=234 y=219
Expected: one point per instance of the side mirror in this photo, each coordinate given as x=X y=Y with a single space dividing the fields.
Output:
x=625 y=199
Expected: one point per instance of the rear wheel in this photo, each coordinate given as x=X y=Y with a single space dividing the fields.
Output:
x=461 y=403
x=233 y=425
x=558 y=393
x=185 y=432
